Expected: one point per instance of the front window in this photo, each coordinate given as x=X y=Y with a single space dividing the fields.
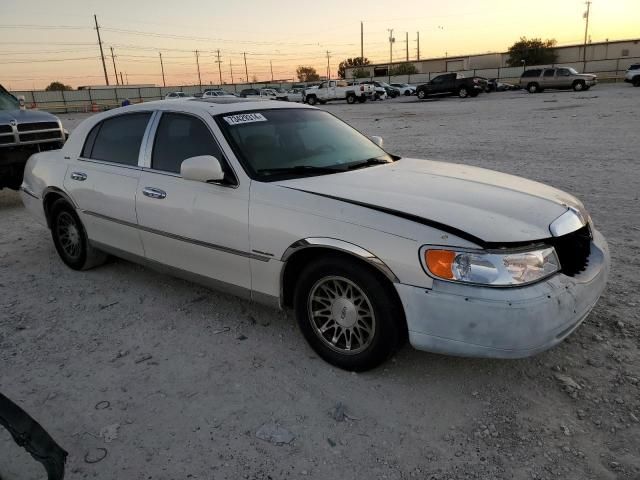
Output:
x=8 y=101
x=289 y=143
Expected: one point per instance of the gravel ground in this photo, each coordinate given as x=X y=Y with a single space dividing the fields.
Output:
x=171 y=380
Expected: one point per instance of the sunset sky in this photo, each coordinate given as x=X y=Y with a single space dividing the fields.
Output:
x=45 y=41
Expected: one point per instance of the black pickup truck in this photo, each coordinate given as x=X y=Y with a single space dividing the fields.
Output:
x=452 y=84
x=23 y=133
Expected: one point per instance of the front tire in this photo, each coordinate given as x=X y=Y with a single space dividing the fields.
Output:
x=346 y=314
x=351 y=99
x=407 y=93
x=421 y=94
x=311 y=100
x=463 y=92
x=636 y=81
x=578 y=86
x=70 y=238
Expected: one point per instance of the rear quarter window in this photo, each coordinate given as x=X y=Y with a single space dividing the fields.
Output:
x=531 y=73
x=117 y=139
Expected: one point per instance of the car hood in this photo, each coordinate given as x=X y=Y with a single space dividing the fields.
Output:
x=26 y=116
x=586 y=75
x=489 y=206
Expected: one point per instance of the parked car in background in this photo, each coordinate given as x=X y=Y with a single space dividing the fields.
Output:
x=493 y=85
x=452 y=84
x=286 y=204
x=405 y=88
x=382 y=89
x=216 y=93
x=536 y=80
x=176 y=95
x=23 y=133
x=265 y=93
x=632 y=75
x=337 y=90
x=295 y=95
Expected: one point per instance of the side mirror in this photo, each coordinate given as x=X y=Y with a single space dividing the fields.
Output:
x=203 y=168
x=377 y=140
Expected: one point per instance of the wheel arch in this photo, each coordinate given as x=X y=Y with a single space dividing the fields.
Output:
x=300 y=253
x=49 y=196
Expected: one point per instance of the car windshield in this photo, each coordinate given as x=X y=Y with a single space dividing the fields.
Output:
x=288 y=143
x=8 y=101
x=573 y=71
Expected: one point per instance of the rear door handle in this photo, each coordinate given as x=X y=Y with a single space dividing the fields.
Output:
x=154 y=193
x=79 y=176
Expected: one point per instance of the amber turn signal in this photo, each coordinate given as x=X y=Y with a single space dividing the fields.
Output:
x=439 y=262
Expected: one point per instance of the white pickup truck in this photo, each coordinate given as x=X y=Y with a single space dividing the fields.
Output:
x=338 y=90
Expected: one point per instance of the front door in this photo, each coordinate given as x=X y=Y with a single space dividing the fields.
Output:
x=104 y=179
x=195 y=227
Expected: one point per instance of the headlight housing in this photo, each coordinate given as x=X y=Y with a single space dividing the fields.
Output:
x=490 y=268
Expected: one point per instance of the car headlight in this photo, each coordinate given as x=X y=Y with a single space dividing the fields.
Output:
x=494 y=269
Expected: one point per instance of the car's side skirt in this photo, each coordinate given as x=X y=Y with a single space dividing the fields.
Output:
x=212 y=283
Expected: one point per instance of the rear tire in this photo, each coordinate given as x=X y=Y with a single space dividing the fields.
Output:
x=636 y=81
x=311 y=100
x=351 y=99
x=407 y=93
x=70 y=238
x=347 y=314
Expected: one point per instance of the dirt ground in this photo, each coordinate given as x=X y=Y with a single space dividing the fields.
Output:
x=170 y=380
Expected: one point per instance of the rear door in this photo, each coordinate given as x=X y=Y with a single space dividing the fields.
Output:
x=104 y=180
x=548 y=79
x=195 y=227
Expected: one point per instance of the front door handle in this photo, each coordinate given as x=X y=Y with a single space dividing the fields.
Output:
x=154 y=193
x=79 y=176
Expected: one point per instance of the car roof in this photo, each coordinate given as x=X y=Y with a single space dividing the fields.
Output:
x=213 y=106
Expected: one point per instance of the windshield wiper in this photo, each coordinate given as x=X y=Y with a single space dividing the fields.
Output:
x=367 y=163
x=300 y=169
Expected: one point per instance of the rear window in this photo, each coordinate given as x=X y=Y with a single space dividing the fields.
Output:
x=117 y=139
x=532 y=73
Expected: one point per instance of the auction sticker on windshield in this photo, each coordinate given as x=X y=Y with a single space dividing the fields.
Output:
x=245 y=118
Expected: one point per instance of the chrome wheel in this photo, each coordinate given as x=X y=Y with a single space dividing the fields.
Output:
x=462 y=93
x=341 y=315
x=69 y=235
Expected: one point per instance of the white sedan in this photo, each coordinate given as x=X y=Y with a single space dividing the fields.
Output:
x=405 y=88
x=176 y=96
x=287 y=205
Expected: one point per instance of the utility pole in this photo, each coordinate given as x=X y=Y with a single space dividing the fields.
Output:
x=113 y=59
x=328 y=68
x=586 y=31
x=198 y=65
x=219 y=62
x=271 y=66
x=391 y=40
x=418 y=41
x=104 y=65
x=231 y=68
x=121 y=82
x=246 y=71
x=162 y=68
x=126 y=75
x=361 y=40
x=407 y=42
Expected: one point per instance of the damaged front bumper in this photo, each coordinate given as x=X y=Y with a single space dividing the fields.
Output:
x=473 y=321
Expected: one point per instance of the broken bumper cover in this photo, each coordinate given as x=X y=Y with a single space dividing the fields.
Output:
x=472 y=321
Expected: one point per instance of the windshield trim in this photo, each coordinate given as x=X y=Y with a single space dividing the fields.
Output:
x=252 y=173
